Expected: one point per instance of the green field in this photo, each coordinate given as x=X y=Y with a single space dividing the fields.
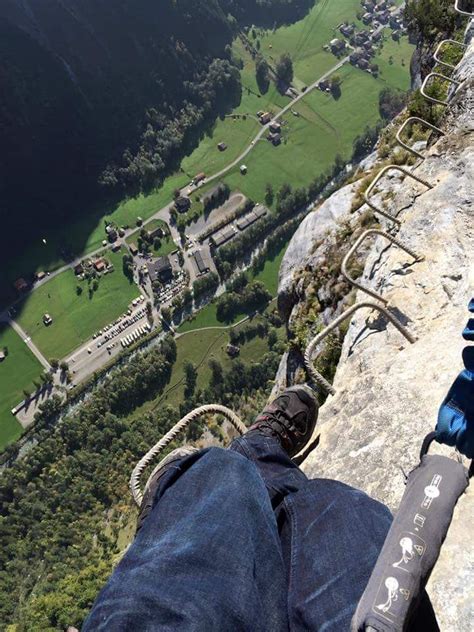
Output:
x=198 y=348
x=235 y=132
x=17 y=372
x=207 y=317
x=75 y=318
x=268 y=275
x=325 y=127
x=305 y=39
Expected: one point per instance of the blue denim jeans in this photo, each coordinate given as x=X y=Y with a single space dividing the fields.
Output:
x=240 y=539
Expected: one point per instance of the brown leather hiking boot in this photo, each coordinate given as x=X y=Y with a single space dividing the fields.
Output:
x=291 y=418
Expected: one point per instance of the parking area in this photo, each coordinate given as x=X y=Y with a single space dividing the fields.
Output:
x=106 y=343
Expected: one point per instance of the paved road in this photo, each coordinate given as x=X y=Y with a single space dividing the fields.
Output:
x=164 y=214
x=289 y=107
x=29 y=343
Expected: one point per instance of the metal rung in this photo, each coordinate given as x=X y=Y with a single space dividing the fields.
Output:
x=438 y=51
x=378 y=177
x=425 y=84
x=415 y=119
x=308 y=356
x=459 y=10
x=354 y=248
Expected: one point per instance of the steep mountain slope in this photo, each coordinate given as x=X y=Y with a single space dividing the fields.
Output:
x=82 y=81
x=387 y=390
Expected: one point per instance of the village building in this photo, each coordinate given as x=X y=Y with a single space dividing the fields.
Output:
x=384 y=17
x=78 y=269
x=367 y=18
x=247 y=220
x=202 y=262
x=275 y=139
x=232 y=350
x=243 y=169
x=222 y=237
x=116 y=247
x=47 y=320
x=347 y=29
x=363 y=64
x=2 y=356
x=100 y=265
x=275 y=127
x=156 y=232
x=160 y=270
x=265 y=118
x=182 y=204
x=199 y=178
x=111 y=233
x=133 y=249
x=39 y=276
x=324 y=85
x=355 y=56
x=337 y=45
x=222 y=146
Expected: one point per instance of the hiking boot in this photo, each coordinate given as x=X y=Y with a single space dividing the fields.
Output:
x=154 y=480
x=291 y=418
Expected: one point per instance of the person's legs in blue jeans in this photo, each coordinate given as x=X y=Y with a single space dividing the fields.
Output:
x=331 y=535
x=208 y=557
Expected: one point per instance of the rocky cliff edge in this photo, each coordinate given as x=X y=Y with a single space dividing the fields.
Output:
x=387 y=390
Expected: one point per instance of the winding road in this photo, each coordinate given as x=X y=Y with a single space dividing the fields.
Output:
x=164 y=213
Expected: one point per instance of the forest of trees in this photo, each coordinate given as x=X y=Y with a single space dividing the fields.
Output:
x=63 y=505
x=100 y=100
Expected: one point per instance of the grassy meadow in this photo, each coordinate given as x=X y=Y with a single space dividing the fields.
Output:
x=17 y=372
x=75 y=317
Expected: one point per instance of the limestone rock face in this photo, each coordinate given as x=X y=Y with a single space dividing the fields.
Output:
x=313 y=229
x=388 y=391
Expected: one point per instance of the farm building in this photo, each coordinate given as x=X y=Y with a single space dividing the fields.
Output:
x=223 y=236
x=222 y=146
x=202 y=262
x=247 y=220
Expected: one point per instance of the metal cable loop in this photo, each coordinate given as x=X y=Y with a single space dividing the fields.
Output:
x=172 y=434
x=308 y=356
